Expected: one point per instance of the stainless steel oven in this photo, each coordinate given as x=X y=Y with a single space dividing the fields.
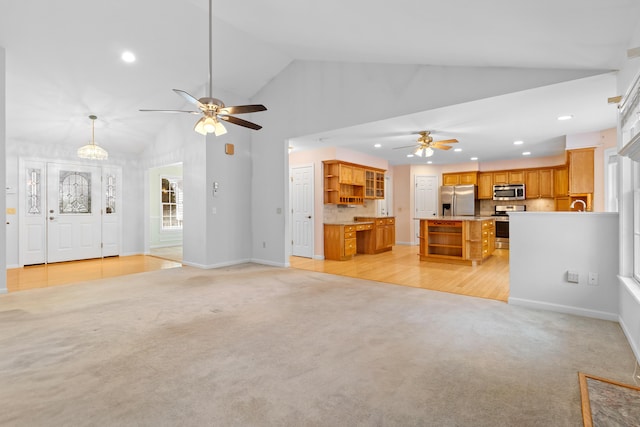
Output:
x=501 y=215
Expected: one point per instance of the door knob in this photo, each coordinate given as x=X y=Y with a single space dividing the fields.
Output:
x=309 y=217
x=52 y=218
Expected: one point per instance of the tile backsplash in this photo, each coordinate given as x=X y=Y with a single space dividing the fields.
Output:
x=487 y=207
x=342 y=213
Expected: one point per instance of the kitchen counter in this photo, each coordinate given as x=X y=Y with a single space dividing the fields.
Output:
x=457 y=218
x=348 y=222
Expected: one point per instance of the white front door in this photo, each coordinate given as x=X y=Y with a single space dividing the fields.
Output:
x=302 y=211
x=426 y=200
x=74 y=206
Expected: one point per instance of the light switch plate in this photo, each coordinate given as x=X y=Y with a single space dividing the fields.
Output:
x=573 y=276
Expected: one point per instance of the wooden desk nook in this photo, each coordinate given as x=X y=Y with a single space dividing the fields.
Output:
x=366 y=235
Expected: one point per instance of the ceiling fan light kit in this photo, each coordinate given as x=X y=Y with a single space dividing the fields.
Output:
x=92 y=151
x=209 y=124
x=213 y=109
x=426 y=144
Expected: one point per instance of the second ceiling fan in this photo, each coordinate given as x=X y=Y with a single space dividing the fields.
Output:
x=426 y=144
x=212 y=109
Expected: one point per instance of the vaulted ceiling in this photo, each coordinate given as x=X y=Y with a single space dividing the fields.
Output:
x=63 y=60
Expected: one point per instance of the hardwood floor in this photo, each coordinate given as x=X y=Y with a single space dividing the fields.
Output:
x=402 y=266
x=62 y=273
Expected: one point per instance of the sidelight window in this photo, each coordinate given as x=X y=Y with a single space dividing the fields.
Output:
x=171 y=196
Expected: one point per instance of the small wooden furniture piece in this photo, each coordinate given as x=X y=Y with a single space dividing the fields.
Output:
x=341 y=240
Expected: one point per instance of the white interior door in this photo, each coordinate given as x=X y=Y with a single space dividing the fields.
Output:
x=302 y=211
x=426 y=200
x=74 y=205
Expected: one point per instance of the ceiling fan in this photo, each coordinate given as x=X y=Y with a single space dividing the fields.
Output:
x=426 y=144
x=212 y=109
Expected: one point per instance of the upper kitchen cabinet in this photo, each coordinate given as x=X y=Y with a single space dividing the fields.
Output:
x=485 y=185
x=374 y=184
x=460 y=178
x=581 y=170
x=508 y=177
x=538 y=183
x=348 y=183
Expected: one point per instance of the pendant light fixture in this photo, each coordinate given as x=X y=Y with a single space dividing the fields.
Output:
x=92 y=151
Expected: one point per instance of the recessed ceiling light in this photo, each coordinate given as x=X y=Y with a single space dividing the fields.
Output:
x=457 y=149
x=474 y=158
x=567 y=117
x=429 y=162
x=409 y=155
x=526 y=153
x=378 y=145
x=518 y=142
x=128 y=57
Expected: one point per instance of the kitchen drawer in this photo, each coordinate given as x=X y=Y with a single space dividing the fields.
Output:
x=362 y=227
x=349 y=235
x=350 y=247
x=381 y=222
x=348 y=228
x=391 y=221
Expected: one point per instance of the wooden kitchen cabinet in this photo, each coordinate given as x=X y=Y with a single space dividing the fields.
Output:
x=382 y=237
x=581 y=170
x=538 y=183
x=561 y=182
x=373 y=184
x=500 y=177
x=516 y=177
x=545 y=182
x=339 y=242
x=532 y=184
x=460 y=178
x=347 y=183
x=379 y=185
x=481 y=240
x=358 y=176
x=485 y=185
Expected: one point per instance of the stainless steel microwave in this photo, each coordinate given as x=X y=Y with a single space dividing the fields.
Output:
x=508 y=192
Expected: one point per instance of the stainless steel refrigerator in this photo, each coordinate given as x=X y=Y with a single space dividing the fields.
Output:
x=459 y=200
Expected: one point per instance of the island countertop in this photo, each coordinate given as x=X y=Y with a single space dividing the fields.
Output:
x=456 y=218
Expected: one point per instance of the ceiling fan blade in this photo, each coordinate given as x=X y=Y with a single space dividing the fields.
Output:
x=189 y=97
x=172 y=111
x=407 y=146
x=240 y=122
x=440 y=146
x=446 y=141
x=242 y=109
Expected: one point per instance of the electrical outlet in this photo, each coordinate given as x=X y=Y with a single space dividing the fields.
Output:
x=573 y=276
x=593 y=279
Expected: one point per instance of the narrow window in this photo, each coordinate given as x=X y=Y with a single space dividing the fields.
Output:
x=171 y=197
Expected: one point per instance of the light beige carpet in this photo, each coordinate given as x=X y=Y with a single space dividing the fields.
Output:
x=252 y=346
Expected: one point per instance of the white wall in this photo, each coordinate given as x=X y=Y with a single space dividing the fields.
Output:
x=545 y=245
x=3 y=128
x=310 y=97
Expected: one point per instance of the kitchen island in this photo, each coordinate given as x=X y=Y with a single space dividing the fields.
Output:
x=457 y=239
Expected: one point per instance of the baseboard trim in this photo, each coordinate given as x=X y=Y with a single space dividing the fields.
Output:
x=559 y=308
x=270 y=263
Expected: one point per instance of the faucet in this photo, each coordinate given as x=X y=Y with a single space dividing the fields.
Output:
x=584 y=205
